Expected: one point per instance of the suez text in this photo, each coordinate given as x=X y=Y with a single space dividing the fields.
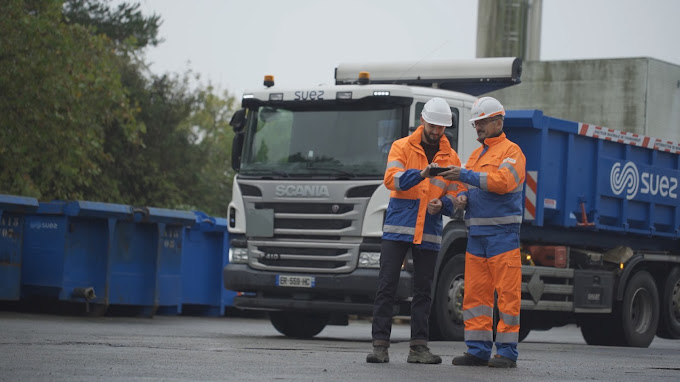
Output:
x=663 y=185
x=311 y=95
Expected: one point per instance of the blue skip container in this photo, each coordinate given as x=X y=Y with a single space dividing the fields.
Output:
x=205 y=254
x=12 y=212
x=67 y=251
x=586 y=182
x=159 y=236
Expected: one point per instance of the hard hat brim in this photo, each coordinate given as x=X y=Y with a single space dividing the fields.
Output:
x=433 y=121
x=502 y=112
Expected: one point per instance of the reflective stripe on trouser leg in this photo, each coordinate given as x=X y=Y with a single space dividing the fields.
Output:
x=478 y=303
x=506 y=269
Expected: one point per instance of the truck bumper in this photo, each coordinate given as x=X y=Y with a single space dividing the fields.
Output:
x=351 y=293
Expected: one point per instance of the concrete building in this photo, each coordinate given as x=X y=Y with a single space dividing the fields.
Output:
x=638 y=95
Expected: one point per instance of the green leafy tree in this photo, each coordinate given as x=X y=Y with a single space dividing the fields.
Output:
x=125 y=25
x=60 y=86
x=209 y=131
x=156 y=170
x=81 y=117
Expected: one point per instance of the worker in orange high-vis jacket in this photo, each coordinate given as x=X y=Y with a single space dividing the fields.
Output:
x=494 y=178
x=413 y=220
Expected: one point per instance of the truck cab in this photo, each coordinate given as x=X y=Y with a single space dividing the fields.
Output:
x=308 y=201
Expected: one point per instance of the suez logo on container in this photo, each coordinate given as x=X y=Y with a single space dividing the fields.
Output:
x=43 y=225
x=627 y=178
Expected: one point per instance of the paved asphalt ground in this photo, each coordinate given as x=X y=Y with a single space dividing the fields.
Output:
x=46 y=347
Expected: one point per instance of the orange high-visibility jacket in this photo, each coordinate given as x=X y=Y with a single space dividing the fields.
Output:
x=406 y=218
x=494 y=176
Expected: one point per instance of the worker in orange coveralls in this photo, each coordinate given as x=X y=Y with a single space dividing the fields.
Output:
x=494 y=176
x=413 y=220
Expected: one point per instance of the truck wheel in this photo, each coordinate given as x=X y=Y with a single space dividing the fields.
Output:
x=523 y=332
x=601 y=330
x=298 y=324
x=669 y=322
x=447 y=307
x=640 y=310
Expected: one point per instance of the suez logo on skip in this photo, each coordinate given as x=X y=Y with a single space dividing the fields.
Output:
x=627 y=178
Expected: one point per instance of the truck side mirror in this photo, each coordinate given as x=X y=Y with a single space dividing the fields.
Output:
x=238 y=120
x=236 y=150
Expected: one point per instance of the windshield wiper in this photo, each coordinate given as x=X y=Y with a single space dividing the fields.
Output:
x=266 y=171
x=337 y=170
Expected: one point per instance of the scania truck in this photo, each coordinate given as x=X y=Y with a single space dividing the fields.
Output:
x=601 y=231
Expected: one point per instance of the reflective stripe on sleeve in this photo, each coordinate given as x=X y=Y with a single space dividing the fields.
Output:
x=396 y=181
x=395 y=163
x=483 y=182
x=512 y=170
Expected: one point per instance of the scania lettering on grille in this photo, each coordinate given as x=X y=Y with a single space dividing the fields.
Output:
x=302 y=190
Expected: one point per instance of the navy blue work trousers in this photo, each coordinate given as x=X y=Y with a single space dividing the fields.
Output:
x=391 y=259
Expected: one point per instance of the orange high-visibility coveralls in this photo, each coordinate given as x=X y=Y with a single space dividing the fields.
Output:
x=494 y=175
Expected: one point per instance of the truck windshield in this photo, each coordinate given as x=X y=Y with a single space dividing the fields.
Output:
x=339 y=141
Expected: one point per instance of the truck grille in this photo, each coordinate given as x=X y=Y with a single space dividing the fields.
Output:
x=313 y=218
x=306 y=208
x=311 y=234
x=547 y=288
x=303 y=256
x=312 y=224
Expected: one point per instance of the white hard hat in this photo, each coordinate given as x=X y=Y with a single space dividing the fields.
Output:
x=486 y=107
x=437 y=112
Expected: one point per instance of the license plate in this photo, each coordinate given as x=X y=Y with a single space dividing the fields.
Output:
x=295 y=281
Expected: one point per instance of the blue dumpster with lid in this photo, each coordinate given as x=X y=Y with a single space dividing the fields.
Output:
x=12 y=211
x=162 y=231
x=67 y=251
x=205 y=254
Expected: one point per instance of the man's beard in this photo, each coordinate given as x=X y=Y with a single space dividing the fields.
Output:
x=429 y=141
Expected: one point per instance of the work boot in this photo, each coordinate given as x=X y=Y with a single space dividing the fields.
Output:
x=422 y=354
x=379 y=355
x=468 y=359
x=500 y=361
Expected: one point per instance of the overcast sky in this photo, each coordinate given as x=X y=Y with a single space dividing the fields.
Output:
x=234 y=43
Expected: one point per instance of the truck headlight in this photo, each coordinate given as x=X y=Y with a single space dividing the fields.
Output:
x=369 y=260
x=238 y=255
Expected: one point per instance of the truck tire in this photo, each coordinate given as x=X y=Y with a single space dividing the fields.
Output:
x=669 y=322
x=298 y=324
x=634 y=320
x=601 y=330
x=447 y=307
x=523 y=332
x=639 y=310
